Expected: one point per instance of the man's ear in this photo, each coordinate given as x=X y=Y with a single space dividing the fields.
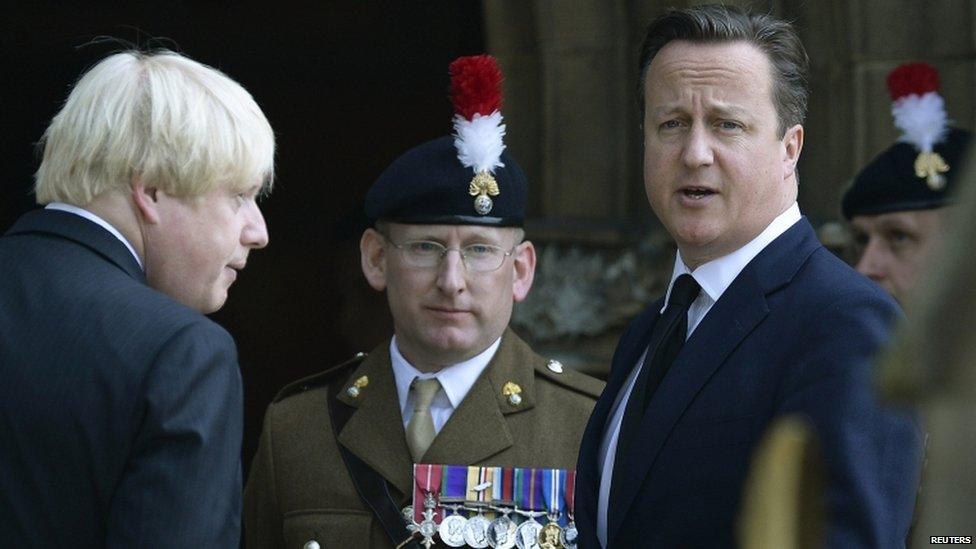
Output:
x=146 y=200
x=792 y=145
x=372 y=253
x=524 y=265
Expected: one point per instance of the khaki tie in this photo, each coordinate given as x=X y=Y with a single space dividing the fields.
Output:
x=420 y=429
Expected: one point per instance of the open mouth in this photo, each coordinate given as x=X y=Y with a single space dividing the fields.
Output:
x=696 y=193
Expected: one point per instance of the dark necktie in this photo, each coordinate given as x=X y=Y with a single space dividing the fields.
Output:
x=667 y=338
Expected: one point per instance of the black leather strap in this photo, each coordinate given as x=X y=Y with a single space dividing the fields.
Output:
x=371 y=485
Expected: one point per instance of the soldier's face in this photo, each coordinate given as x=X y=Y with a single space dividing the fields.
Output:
x=892 y=248
x=717 y=169
x=446 y=314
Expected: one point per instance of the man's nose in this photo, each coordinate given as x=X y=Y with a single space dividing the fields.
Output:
x=451 y=272
x=698 y=147
x=255 y=233
x=873 y=261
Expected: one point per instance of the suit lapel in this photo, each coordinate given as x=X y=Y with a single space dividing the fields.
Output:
x=736 y=314
x=624 y=361
x=374 y=432
x=632 y=345
x=478 y=429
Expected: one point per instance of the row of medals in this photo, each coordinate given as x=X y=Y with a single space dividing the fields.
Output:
x=502 y=533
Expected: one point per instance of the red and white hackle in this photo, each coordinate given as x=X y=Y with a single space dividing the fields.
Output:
x=476 y=92
x=920 y=114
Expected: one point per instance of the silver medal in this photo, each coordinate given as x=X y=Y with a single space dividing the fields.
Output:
x=476 y=532
x=527 y=535
x=569 y=536
x=452 y=530
x=501 y=533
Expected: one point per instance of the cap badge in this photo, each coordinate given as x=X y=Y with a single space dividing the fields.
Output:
x=931 y=166
x=483 y=187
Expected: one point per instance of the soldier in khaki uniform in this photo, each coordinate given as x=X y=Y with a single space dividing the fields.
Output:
x=453 y=386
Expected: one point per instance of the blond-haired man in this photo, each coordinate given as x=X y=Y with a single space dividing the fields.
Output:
x=120 y=406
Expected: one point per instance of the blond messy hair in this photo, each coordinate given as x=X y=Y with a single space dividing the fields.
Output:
x=165 y=119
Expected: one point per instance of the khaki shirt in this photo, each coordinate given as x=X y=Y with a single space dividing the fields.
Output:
x=299 y=489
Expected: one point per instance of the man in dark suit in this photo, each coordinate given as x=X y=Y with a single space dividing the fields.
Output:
x=120 y=403
x=759 y=320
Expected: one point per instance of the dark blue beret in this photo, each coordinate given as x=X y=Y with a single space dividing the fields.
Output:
x=429 y=185
x=889 y=183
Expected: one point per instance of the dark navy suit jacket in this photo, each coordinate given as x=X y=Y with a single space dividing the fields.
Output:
x=794 y=334
x=120 y=409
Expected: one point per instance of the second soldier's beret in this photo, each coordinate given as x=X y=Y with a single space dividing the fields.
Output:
x=889 y=183
x=919 y=171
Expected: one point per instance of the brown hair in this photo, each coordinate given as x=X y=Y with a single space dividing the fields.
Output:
x=718 y=23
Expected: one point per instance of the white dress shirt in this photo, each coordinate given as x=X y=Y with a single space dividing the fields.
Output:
x=99 y=221
x=714 y=278
x=456 y=380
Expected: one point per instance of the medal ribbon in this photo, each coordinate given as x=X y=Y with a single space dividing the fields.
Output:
x=570 y=496
x=553 y=488
x=472 y=481
x=518 y=483
x=488 y=475
x=496 y=487
x=531 y=487
x=427 y=479
x=453 y=483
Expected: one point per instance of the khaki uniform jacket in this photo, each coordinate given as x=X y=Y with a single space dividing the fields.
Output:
x=299 y=488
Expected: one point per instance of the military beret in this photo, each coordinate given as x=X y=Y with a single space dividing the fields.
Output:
x=467 y=178
x=429 y=185
x=919 y=171
x=889 y=183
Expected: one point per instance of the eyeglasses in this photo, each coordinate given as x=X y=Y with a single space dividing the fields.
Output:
x=426 y=254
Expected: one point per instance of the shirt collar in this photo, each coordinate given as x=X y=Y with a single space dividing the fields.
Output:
x=97 y=220
x=456 y=380
x=717 y=275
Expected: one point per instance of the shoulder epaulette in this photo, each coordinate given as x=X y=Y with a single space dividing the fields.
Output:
x=554 y=370
x=319 y=379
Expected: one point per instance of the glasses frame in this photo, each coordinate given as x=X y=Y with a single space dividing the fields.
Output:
x=444 y=249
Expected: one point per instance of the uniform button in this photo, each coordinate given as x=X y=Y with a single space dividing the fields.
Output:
x=555 y=366
x=312 y=544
